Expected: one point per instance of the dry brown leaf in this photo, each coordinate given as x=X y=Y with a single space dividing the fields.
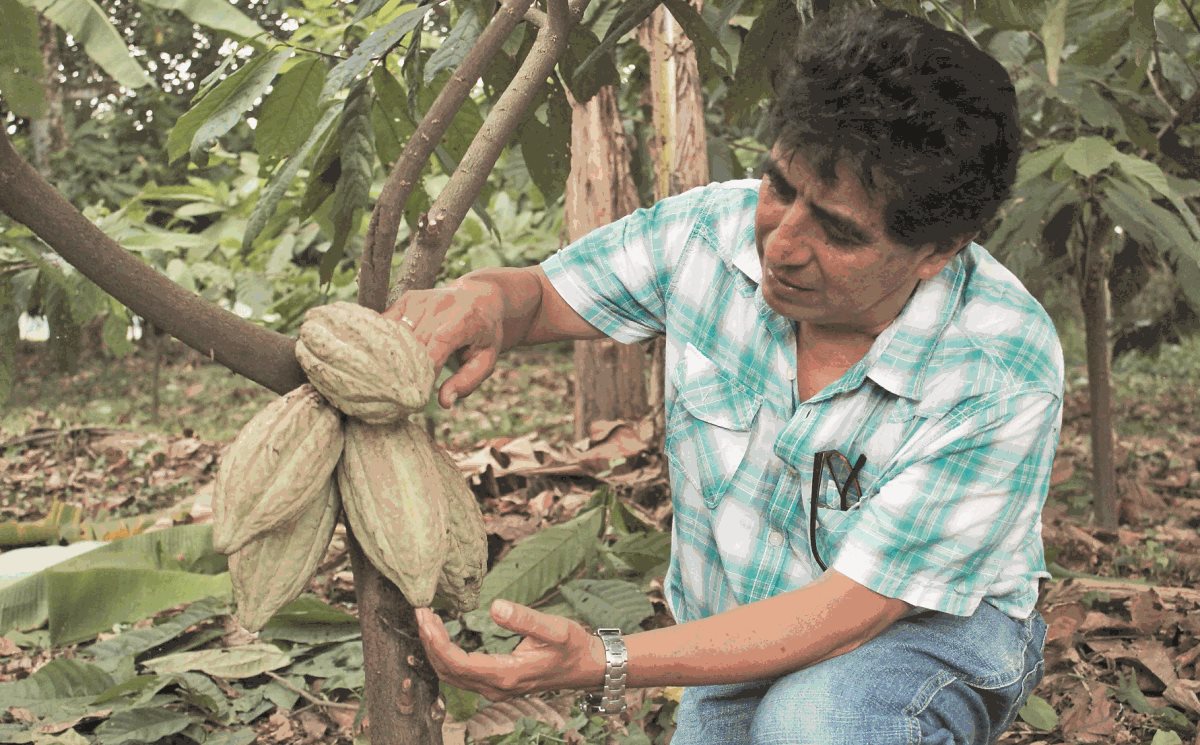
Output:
x=1089 y=718
x=501 y=718
x=1179 y=694
x=1147 y=617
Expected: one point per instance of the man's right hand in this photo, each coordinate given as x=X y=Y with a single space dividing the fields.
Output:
x=465 y=317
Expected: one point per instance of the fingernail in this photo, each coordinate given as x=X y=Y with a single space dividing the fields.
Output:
x=453 y=398
x=502 y=608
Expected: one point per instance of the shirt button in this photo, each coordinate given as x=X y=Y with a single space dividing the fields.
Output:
x=775 y=538
x=791 y=374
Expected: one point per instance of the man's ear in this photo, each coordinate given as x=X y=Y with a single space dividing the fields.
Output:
x=939 y=256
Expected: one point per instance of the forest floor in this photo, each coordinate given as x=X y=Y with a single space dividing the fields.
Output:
x=1123 y=652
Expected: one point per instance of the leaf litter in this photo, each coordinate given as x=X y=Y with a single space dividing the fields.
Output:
x=1122 y=652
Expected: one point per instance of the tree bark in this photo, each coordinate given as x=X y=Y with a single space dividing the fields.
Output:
x=609 y=377
x=401 y=688
x=680 y=144
x=1094 y=297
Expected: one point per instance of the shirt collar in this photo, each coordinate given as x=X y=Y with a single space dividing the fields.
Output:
x=898 y=359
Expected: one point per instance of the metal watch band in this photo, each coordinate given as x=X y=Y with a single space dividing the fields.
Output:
x=611 y=699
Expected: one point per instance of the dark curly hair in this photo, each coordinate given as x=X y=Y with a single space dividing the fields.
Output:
x=927 y=120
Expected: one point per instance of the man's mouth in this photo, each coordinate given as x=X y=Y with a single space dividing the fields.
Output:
x=785 y=283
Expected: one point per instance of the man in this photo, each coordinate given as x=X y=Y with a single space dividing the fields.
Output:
x=862 y=408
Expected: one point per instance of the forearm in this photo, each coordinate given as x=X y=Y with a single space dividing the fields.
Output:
x=765 y=639
x=520 y=294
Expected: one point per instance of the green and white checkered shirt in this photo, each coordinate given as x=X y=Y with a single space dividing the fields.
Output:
x=956 y=406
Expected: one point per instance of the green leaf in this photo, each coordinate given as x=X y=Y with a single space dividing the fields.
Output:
x=1166 y=737
x=9 y=338
x=372 y=47
x=1146 y=221
x=137 y=641
x=354 y=181
x=243 y=736
x=1104 y=36
x=275 y=190
x=83 y=603
x=1142 y=34
x=59 y=684
x=1018 y=15
x=703 y=37
x=458 y=42
x=247 y=89
x=1088 y=156
x=586 y=66
x=232 y=663
x=21 y=61
x=1039 y=714
x=390 y=120
x=115 y=332
x=205 y=105
x=308 y=620
x=87 y=22
x=1154 y=177
x=1037 y=162
x=290 y=111
x=771 y=35
x=643 y=551
x=218 y=15
x=460 y=704
x=1054 y=37
x=24 y=604
x=145 y=724
x=608 y=602
x=546 y=148
x=542 y=561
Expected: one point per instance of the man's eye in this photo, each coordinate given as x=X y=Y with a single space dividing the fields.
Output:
x=780 y=187
x=840 y=236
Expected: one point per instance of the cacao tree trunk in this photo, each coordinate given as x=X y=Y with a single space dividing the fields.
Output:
x=1094 y=297
x=679 y=148
x=609 y=377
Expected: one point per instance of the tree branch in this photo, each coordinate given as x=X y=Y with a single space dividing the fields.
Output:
x=374 y=272
x=428 y=248
x=264 y=356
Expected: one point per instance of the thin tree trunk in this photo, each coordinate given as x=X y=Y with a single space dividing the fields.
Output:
x=1096 y=315
x=609 y=377
x=679 y=146
x=47 y=133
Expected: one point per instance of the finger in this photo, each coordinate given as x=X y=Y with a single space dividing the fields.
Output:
x=475 y=369
x=531 y=623
x=394 y=311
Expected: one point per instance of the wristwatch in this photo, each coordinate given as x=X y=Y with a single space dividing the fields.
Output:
x=611 y=699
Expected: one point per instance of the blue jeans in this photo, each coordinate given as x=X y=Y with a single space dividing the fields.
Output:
x=929 y=678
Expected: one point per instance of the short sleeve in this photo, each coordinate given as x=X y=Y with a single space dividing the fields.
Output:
x=616 y=277
x=944 y=532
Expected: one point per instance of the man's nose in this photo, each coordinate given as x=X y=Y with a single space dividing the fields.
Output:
x=790 y=242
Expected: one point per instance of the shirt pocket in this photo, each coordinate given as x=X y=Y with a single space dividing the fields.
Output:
x=709 y=424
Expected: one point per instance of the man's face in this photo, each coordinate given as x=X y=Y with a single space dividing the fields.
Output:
x=826 y=259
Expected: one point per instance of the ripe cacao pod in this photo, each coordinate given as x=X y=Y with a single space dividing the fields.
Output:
x=276 y=467
x=393 y=496
x=466 y=556
x=271 y=570
x=367 y=366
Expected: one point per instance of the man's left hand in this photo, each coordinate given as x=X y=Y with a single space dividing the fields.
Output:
x=555 y=653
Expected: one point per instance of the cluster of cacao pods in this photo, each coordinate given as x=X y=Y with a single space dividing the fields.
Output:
x=342 y=444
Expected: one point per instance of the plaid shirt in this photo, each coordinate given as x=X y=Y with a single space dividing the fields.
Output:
x=956 y=406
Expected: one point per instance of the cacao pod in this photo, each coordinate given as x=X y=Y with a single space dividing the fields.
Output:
x=276 y=467
x=271 y=570
x=396 y=504
x=466 y=556
x=366 y=365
